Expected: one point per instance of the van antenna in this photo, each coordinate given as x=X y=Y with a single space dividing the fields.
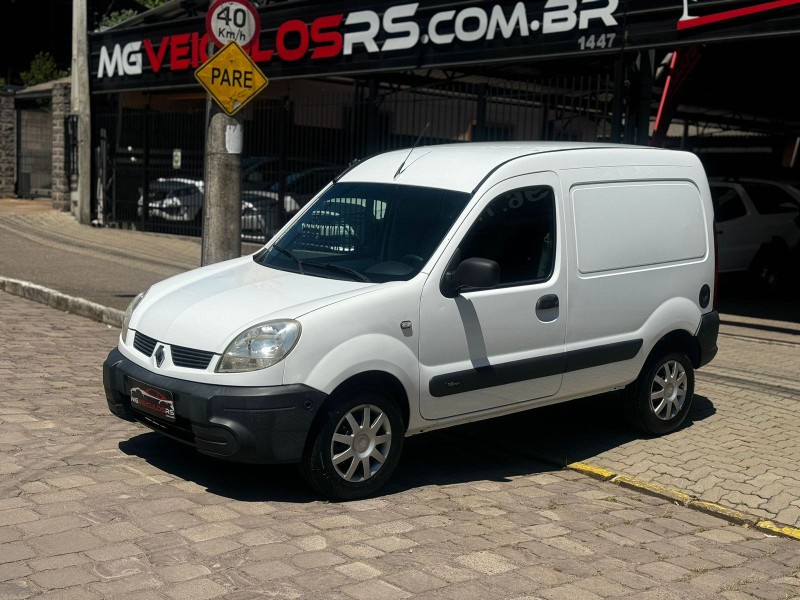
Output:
x=402 y=164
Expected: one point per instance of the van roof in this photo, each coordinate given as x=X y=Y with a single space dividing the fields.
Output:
x=458 y=166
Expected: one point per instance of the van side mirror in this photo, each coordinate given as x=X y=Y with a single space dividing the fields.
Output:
x=473 y=272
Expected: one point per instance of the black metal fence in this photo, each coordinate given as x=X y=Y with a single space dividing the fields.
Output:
x=299 y=135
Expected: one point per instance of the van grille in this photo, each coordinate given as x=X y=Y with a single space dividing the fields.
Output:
x=144 y=344
x=181 y=357
x=190 y=358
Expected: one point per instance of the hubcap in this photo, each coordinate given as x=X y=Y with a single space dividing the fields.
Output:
x=668 y=390
x=361 y=443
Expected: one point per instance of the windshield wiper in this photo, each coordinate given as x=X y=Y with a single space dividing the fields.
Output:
x=291 y=255
x=347 y=270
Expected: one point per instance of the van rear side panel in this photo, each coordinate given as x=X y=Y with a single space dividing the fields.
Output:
x=629 y=225
x=641 y=253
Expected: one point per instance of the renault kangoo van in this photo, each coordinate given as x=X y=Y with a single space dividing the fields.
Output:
x=427 y=288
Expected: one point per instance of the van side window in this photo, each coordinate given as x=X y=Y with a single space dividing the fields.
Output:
x=516 y=230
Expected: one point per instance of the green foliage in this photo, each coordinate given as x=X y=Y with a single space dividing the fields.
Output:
x=118 y=16
x=43 y=69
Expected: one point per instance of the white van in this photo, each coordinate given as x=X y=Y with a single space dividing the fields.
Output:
x=432 y=287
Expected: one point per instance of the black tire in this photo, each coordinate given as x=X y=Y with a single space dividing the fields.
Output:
x=373 y=452
x=647 y=408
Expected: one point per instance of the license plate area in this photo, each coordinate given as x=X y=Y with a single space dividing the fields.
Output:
x=151 y=400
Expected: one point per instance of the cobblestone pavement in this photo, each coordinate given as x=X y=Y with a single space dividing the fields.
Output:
x=95 y=507
x=741 y=447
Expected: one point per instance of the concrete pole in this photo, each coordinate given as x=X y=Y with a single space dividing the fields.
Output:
x=81 y=200
x=222 y=205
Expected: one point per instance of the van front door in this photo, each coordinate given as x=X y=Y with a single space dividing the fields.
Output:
x=488 y=348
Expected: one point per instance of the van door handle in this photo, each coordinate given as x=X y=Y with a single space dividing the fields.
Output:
x=547 y=302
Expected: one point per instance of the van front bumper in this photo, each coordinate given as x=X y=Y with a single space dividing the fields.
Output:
x=242 y=424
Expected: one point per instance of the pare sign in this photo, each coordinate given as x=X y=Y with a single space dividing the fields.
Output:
x=231 y=77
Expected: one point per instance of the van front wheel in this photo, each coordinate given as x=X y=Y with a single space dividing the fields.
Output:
x=660 y=399
x=356 y=447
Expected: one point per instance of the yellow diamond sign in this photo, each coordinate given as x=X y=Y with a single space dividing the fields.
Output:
x=231 y=77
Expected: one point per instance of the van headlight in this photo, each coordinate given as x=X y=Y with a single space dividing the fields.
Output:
x=260 y=347
x=126 y=319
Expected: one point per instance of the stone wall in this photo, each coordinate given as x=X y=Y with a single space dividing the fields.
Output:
x=8 y=145
x=60 y=192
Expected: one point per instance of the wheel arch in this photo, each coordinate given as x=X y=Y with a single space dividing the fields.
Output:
x=381 y=381
x=678 y=340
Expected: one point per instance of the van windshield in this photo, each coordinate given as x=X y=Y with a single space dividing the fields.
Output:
x=373 y=232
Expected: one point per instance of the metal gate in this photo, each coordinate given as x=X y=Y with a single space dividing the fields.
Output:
x=34 y=152
x=303 y=133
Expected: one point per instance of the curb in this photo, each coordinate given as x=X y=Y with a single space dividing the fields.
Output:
x=60 y=301
x=711 y=508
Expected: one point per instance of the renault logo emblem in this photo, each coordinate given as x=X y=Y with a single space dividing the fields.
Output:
x=160 y=356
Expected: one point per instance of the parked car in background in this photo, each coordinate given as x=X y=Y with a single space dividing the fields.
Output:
x=758 y=228
x=263 y=172
x=298 y=179
x=261 y=216
x=176 y=199
x=179 y=200
x=300 y=187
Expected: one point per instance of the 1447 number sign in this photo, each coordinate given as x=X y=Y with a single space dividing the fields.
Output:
x=233 y=21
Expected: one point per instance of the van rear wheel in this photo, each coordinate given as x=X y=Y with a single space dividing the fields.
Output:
x=660 y=399
x=355 y=448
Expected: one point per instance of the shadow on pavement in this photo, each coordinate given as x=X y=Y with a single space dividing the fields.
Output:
x=575 y=431
x=523 y=444
x=243 y=482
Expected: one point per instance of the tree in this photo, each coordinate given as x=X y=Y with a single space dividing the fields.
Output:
x=43 y=69
x=118 y=16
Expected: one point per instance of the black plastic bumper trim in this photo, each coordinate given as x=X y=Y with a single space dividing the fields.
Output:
x=244 y=424
x=707 y=335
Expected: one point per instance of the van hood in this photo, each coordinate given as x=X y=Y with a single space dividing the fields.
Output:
x=206 y=307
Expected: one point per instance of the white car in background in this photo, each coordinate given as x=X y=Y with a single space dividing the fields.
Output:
x=174 y=199
x=758 y=228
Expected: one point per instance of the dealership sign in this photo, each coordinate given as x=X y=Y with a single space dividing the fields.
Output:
x=394 y=36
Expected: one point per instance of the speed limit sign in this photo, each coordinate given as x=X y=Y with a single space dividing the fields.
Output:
x=233 y=21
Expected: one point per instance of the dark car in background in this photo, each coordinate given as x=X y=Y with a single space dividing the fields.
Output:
x=263 y=172
x=300 y=187
x=273 y=190
x=299 y=180
x=179 y=201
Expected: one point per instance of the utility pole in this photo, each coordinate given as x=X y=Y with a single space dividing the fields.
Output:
x=231 y=79
x=222 y=205
x=80 y=202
